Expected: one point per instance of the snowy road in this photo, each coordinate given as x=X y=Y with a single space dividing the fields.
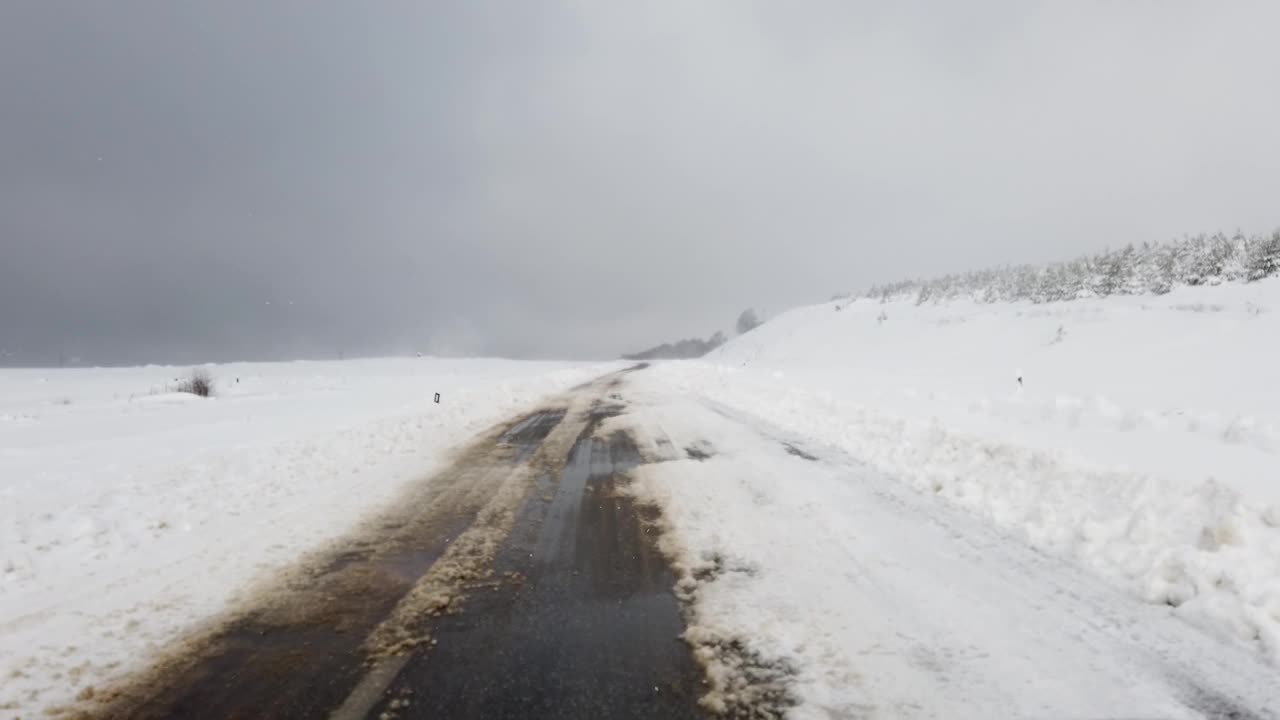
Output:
x=517 y=583
x=524 y=581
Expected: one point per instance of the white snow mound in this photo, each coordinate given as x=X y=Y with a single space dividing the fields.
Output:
x=1138 y=435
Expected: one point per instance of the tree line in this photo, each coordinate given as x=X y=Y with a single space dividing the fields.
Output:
x=1152 y=269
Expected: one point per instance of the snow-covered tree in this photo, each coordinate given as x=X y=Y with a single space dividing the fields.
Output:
x=1264 y=260
x=1151 y=268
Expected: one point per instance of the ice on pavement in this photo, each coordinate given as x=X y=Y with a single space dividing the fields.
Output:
x=129 y=513
x=1142 y=446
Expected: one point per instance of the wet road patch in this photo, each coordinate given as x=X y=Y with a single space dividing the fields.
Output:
x=298 y=650
x=601 y=411
x=249 y=668
x=526 y=435
x=591 y=629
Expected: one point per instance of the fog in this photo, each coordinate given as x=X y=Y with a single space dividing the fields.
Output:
x=236 y=180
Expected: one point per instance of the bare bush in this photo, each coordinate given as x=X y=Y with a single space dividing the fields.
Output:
x=199 y=382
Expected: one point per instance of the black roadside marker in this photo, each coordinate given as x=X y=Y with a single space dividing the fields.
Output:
x=437 y=398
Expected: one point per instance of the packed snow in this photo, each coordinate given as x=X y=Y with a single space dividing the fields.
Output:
x=818 y=586
x=1135 y=437
x=129 y=512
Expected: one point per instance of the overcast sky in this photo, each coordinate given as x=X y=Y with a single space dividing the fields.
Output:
x=212 y=180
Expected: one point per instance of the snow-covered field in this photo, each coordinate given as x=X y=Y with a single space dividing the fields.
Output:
x=952 y=510
x=128 y=514
x=1142 y=445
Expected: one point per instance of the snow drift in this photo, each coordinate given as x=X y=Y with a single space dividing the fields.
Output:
x=1139 y=435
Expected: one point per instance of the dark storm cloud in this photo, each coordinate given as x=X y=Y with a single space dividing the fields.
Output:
x=181 y=182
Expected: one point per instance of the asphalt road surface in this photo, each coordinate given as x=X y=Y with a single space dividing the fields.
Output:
x=516 y=583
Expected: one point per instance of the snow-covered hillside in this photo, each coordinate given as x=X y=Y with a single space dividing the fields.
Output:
x=128 y=514
x=1138 y=435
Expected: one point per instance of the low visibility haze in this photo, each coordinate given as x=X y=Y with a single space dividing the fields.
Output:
x=215 y=181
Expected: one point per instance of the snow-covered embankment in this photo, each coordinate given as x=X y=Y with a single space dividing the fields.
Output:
x=1143 y=439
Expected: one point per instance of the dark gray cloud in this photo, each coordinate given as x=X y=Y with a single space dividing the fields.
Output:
x=190 y=181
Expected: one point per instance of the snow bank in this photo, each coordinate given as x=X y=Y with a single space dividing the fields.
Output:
x=1142 y=440
x=128 y=513
x=816 y=587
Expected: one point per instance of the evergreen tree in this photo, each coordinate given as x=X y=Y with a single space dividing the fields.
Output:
x=1151 y=268
x=1112 y=275
x=1217 y=258
x=1265 y=258
x=1161 y=278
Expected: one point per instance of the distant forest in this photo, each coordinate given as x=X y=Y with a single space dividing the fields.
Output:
x=684 y=349
x=1153 y=269
x=697 y=347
